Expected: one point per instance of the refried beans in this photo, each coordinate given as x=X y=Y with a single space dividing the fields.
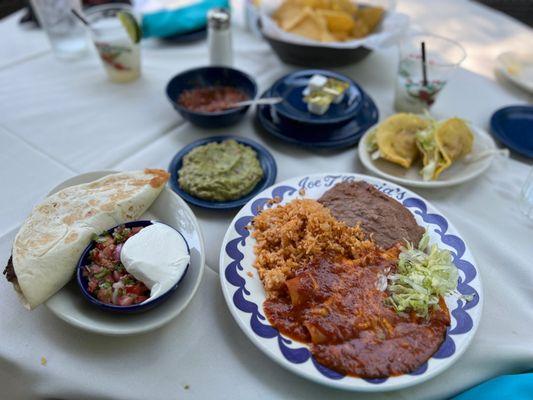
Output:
x=383 y=218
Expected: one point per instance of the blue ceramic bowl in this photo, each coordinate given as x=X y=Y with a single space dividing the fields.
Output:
x=82 y=281
x=293 y=110
x=211 y=76
x=513 y=126
x=268 y=164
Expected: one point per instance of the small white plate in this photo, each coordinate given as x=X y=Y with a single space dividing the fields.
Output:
x=244 y=292
x=459 y=172
x=517 y=67
x=69 y=304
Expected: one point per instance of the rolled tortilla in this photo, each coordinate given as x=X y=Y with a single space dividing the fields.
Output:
x=51 y=240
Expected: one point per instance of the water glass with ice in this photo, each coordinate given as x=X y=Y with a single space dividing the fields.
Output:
x=66 y=34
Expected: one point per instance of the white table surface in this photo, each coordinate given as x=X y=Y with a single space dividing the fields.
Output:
x=60 y=119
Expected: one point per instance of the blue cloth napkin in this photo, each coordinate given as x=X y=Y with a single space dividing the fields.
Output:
x=169 y=22
x=506 y=387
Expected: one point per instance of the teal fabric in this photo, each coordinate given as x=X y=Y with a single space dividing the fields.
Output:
x=506 y=387
x=181 y=20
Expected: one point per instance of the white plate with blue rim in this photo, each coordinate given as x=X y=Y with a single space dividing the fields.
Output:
x=70 y=305
x=244 y=292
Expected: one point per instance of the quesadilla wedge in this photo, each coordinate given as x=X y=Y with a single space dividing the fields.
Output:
x=49 y=243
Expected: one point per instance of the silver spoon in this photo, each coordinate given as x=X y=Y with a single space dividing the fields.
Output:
x=258 y=102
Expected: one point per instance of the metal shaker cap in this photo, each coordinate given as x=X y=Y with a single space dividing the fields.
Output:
x=219 y=18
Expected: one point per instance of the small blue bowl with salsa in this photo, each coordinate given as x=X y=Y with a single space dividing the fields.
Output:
x=188 y=91
x=83 y=282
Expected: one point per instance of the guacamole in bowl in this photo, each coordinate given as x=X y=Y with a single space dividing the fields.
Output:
x=221 y=172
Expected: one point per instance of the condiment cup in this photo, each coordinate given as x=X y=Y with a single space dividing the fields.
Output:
x=211 y=76
x=135 y=308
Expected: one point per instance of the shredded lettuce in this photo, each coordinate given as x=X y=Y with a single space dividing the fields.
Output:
x=426 y=140
x=423 y=275
x=371 y=142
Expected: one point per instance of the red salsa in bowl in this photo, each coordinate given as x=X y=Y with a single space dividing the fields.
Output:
x=107 y=279
x=211 y=99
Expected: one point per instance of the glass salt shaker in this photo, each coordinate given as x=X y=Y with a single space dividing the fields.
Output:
x=219 y=37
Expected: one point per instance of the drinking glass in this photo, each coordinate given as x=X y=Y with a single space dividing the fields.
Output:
x=526 y=196
x=120 y=56
x=443 y=56
x=66 y=34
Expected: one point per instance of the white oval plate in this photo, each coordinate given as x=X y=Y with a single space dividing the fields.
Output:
x=70 y=305
x=517 y=67
x=459 y=172
x=244 y=294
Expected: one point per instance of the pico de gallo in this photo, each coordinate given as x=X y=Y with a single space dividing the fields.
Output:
x=108 y=280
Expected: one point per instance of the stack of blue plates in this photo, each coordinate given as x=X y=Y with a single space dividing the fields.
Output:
x=341 y=126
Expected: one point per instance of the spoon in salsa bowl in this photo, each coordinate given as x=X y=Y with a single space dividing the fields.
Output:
x=256 y=102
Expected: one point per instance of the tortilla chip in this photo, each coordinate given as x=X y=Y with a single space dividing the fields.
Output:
x=359 y=30
x=288 y=14
x=338 y=21
x=311 y=26
x=370 y=16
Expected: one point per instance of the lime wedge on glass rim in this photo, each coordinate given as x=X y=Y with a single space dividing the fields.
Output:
x=130 y=24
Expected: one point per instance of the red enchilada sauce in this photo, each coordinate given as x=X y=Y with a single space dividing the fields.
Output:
x=338 y=307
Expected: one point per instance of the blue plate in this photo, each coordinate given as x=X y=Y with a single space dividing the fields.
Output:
x=320 y=137
x=513 y=126
x=188 y=37
x=82 y=281
x=268 y=164
x=293 y=108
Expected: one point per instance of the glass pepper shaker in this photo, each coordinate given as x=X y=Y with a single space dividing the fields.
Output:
x=219 y=37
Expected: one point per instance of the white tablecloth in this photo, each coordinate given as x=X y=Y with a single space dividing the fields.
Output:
x=59 y=119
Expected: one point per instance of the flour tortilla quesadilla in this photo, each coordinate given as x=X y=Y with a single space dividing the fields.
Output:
x=51 y=240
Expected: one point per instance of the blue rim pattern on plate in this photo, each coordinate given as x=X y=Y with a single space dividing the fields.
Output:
x=262 y=328
x=268 y=164
x=327 y=138
x=513 y=126
x=135 y=308
x=291 y=86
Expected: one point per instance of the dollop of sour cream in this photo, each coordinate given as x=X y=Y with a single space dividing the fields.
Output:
x=157 y=256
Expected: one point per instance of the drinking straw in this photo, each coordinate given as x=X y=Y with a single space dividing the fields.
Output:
x=80 y=17
x=424 y=65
